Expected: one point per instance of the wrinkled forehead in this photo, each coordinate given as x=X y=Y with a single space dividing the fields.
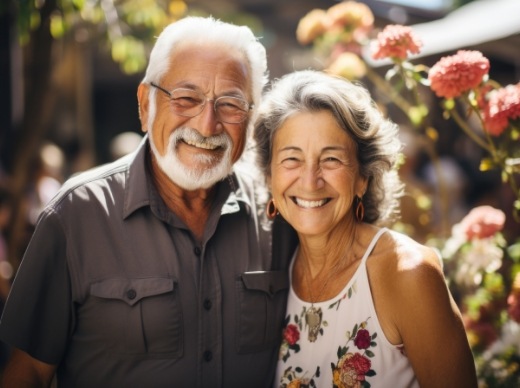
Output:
x=211 y=68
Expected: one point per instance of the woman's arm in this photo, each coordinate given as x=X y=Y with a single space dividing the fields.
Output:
x=429 y=322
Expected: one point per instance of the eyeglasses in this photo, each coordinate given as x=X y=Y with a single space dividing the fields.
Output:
x=190 y=103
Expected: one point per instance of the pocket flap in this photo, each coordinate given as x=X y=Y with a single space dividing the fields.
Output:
x=269 y=282
x=131 y=291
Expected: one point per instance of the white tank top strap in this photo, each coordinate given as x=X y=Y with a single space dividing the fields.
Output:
x=372 y=245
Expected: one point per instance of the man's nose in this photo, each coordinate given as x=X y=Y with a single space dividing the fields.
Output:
x=207 y=122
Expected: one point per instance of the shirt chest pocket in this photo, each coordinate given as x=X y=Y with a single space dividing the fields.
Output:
x=137 y=316
x=262 y=300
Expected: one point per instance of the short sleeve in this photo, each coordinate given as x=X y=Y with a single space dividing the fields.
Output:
x=37 y=317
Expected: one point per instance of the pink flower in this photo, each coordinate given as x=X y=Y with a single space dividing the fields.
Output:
x=503 y=105
x=362 y=340
x=459 y=73
x=395 y=41
x=482 y=222
x=291 y=334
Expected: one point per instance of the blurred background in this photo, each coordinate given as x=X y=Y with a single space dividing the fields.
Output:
x=69 y=72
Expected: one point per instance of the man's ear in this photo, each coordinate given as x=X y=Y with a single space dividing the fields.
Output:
x=143 y=104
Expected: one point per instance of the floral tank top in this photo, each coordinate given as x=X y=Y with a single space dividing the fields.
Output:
x=339 y=343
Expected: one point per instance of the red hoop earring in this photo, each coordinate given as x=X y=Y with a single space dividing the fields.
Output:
x=271 y=210
x=360 y=209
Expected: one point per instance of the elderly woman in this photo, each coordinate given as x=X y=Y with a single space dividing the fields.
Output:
x=366 y=304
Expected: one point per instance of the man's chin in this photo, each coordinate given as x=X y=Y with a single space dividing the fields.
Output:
x=201 y=177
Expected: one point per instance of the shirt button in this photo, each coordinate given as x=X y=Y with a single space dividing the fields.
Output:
x=197 y=251
x=207 y=304
x=208 y=356
x=131 y=294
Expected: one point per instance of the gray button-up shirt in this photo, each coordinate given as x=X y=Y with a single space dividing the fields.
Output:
x=115 y=289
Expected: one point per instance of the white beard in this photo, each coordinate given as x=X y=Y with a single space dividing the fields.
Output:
x=187 y=177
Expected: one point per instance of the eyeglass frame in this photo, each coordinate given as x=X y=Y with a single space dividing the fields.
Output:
x=203 y=105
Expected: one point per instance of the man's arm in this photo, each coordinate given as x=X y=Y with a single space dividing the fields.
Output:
x=24 y=371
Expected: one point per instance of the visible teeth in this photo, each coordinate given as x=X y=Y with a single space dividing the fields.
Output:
x=310 y=204
x=204 y=145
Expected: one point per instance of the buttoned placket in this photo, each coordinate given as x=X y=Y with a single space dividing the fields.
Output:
x=210 y=320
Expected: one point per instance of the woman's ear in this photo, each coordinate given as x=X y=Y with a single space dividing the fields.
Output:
x=143 y=103
x=362 y=186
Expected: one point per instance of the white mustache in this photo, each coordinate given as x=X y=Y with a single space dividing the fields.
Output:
x=194 y=138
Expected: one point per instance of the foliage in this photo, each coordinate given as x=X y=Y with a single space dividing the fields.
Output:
x=125 y=25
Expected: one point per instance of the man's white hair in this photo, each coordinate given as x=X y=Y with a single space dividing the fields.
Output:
x=203 y=30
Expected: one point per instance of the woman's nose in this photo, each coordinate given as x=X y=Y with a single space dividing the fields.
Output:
x=313 y=177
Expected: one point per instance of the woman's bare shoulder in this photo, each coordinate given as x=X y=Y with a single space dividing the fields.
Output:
x=405 y=262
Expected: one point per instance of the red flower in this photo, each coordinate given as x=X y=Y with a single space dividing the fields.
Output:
x=457 y=74
x=395 y=41
x=291 y=334
x=363 y=339
x=503 y=105
x=483 y=332
x=482 y=222
x=360 y=363
x=513 y=309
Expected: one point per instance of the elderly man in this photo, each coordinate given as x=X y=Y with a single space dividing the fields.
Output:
x=158 y=270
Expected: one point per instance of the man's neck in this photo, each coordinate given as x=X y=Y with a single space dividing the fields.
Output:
x=192 y=207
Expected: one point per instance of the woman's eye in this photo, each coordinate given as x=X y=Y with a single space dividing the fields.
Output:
x=290 y=162
x=331 y=162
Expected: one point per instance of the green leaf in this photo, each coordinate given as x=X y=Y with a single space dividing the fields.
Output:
x=79 y=4
x=514 y=251
x=57 y=26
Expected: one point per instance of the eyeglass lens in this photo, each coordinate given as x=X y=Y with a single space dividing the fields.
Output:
x=189 y=103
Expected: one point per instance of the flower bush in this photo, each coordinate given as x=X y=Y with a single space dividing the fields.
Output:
x=482 y=268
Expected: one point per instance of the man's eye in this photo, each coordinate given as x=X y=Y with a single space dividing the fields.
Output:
x=231 y=105
x=186 y=101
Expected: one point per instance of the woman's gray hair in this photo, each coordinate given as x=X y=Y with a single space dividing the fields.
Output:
x=377 y=142
x=196 y=30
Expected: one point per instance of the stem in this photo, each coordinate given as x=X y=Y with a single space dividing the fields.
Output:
x=464 y=126
x=482 y=124
x=384 y=86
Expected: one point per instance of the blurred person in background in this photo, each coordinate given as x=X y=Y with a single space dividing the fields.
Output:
x=157 y=270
